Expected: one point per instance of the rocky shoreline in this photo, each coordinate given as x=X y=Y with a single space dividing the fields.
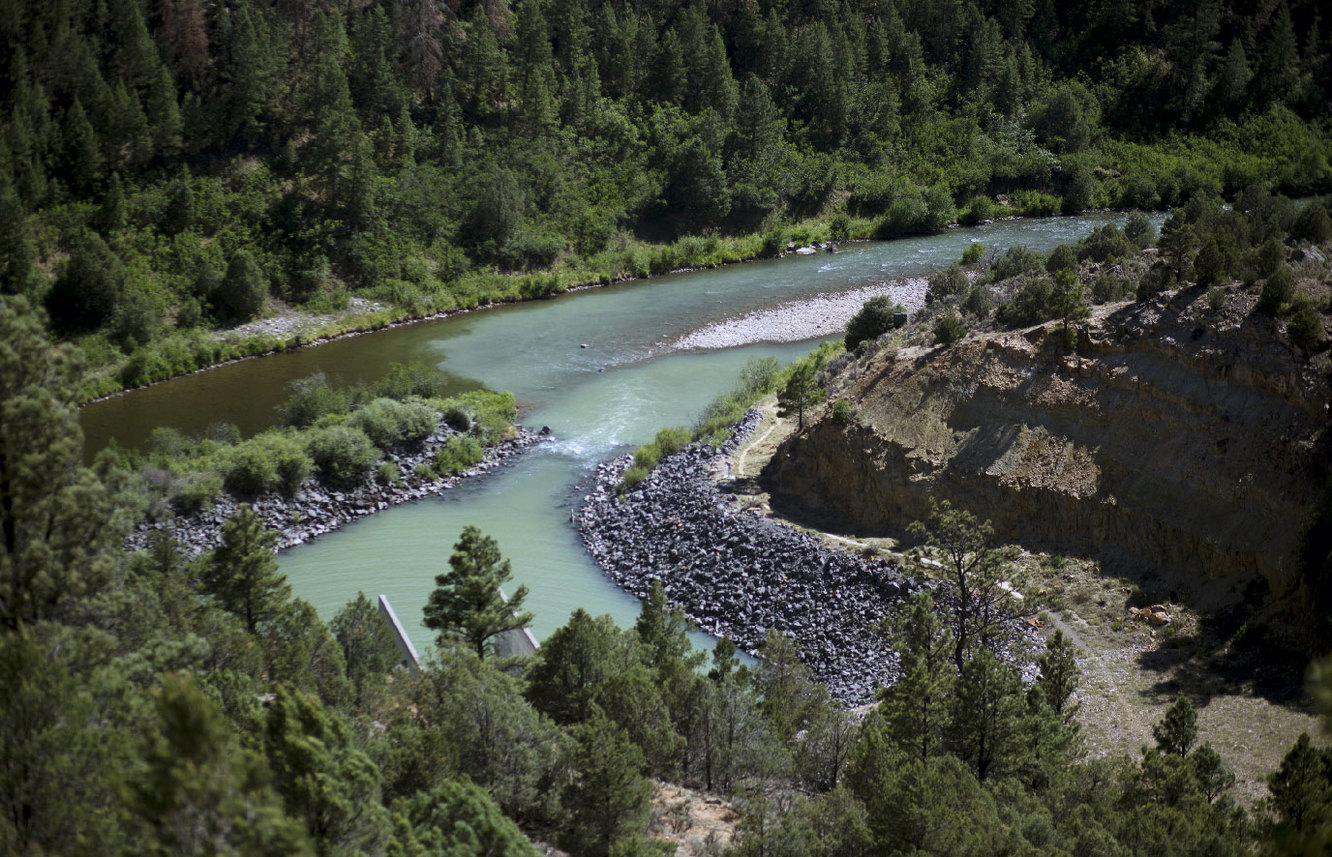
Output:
x=318 y=509
x=737 y=574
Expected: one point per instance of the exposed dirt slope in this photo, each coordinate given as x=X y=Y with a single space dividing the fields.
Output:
x=1179 y=442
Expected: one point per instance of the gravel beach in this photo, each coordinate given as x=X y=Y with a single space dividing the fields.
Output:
x=822 y=315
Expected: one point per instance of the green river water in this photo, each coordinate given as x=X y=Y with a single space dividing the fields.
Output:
x=599 y=401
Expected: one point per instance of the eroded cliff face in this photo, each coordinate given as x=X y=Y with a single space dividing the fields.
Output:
x=1179 y=442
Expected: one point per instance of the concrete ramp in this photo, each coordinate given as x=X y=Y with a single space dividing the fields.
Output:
x=406 y=651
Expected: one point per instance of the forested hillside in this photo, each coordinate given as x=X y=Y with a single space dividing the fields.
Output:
x=166 y=167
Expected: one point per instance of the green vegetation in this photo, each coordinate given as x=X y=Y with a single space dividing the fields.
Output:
x=170 y=170
x=151 y=697
x=337 y=436
x=467 y=604
x=878 y=316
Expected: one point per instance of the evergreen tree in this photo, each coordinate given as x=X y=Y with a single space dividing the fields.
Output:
x=976 y=571
x=802 y=391
x=17 y=253
x=458 y=818
x=915 y=708
x=1059 y=675
x=1178 y=730
x=112 y=215
x=986 y=718
x=58 y=526
x=1300 y=796
x=244 y=289
x=368 y=646
x=242 y=574
x=467 y=604
x=608 y=797
x=88 y=288
x=83 y=155
x=198 y=793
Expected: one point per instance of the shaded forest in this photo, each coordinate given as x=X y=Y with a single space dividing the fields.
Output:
x=171 y=167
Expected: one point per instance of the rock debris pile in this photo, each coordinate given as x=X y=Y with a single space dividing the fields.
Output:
x=317 y=509
x=737 y=574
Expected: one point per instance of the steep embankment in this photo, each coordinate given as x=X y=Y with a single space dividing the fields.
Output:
x=1180 y=442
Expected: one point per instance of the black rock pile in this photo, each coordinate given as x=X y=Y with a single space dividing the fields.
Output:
x=317 y=509
x=737 y=574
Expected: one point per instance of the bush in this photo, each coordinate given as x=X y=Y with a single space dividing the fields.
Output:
x=244 y=289
x=492 y=414
x=1031 y=304
x=979 y=210
x=759 y=376
x=1139 y=229
x=876 y=194
x=946 y=283
x=264 y=463
x=1107 y=287
x=908 y=216
x=405 y=380
x=948 y=329
x=388 y=473
x=457 y=418
x=1216 y=298
x=88 y=288
x=667 y=442
x=840 y=227
x=312 y=398
x=1018 y=260
x=458 y=454
x=390 y=423
x=341 y=454
x=973 y=254
x=1277 y=291
x=1305 y=328
x=841 y=412
x=1312 y=224
x=1105 y=244
x=876 y=317
x=978 y=302
x=196 y=491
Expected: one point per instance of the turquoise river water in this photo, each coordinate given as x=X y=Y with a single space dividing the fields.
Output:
x=599 y=401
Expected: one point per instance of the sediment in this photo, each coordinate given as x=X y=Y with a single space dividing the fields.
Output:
x=737 y=574
x=317 y=509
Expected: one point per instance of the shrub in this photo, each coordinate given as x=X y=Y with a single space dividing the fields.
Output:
x=312 y=398
x=458 y=454
x=1018 y=260
x=264 y=463
x=1139 y=229
x=1216 y=298
x=876 y=317
x=840 y=227
x=341 y=454
x=946 y=283
x=973 y=254
x=632 y=478
x=457 y=418
x=978 y=302
x=88 y=288
x=1312 y=224
x=908 y=216
x=979 y=210
x=196 y=491
x=1107 y=287
x=388 y=473
x=1105 y=244
x=1062 y=258
x=1305 y=328
x=876 y=194
x=390 y=423
x=1277 y=291
x=405 y=380
x=841 y=412
x=243 y=290
x=1030 y=305
x=759 y=376
x=948 y=329
x=492 y=414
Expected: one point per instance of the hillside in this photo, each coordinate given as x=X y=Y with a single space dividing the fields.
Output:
x=173 y=169
x=1182 y=444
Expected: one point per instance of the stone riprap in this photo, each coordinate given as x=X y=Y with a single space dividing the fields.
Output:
x=737 y=574
x=317 y=509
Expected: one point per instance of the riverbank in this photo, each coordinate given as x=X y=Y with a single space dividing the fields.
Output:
x=737 y=574
x=317 y=509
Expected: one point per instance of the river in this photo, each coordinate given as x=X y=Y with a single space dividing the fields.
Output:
x=597 y=366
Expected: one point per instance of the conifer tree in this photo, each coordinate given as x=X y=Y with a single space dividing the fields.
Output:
x=608 y=797
x=17 y=253
x=242 y=574
x=915 y=708
x=467 y=604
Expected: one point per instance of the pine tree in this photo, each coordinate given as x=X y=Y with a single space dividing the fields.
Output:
x=802 y=391
x=197 y=792
x=609 y=797
x=17 y=253
x=1059 y=675
x=368 y=646
x=976 y=571
x=164 y=114
x=83 y=154
x=244 y=288
x=467 y=604
x=986 y=717
x=112 y=215
x=1178 y=730
x=242 y=574
x=915 y=708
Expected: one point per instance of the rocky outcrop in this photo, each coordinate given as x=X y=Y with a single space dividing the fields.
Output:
x=737 y=574
x=317 y=509
x=1179 y=442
